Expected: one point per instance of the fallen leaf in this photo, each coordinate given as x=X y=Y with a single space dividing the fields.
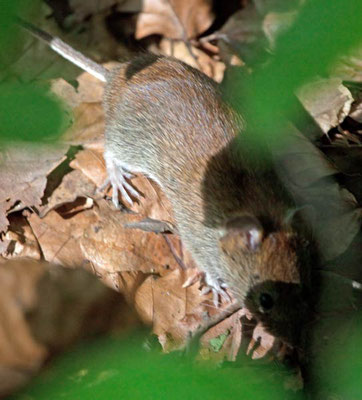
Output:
x=23 y=174
x=19 y=240
x=172 y=310
x=264 y=341
x=73 y=185
x=324 y=204
x=113 y=248
x=327 y=100
x=174 y=19
x=59 y=238
x=19 y=351
x=231 y=329
x=240 y=35
x=91 y=163
x=45 y=309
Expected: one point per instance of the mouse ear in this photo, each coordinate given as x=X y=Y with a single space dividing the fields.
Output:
x=242 y=232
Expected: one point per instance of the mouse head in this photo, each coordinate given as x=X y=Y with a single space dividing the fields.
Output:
x=266 y=269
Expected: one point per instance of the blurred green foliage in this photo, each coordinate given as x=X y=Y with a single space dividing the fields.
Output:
x=122 y=369
x=323 y=31
x=28 y=111
x=113 y=369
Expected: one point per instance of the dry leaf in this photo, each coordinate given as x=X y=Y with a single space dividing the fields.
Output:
x=37 y=318
x=23 y=171
x=19 y=240
x=20 y=354
x=239 y=34
x=275 y=24
x=59 y=238
x=113 y=248
x=309 y=177
x=327 y=100
x=73 y=185
x=174 y=19
x=162 y=302
x=231 y=327
x=349 y=67
x=91 y=163
x=264 y=340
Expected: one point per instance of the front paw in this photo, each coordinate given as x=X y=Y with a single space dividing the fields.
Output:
x=117 y=178
x=218 y=289
x=216 y=286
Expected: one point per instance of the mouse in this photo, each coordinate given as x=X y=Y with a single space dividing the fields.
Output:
x=170 y=122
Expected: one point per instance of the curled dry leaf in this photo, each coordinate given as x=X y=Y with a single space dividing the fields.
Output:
x=262 y=342
x=23 y=175
x=241 y=31
x=309 y=177
x=73 y=185
x=19 y=240
x=232 y=329
x=327 y=100
x=175 y=19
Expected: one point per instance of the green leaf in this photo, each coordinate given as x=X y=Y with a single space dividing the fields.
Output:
x=121 y=369
x=217 y=343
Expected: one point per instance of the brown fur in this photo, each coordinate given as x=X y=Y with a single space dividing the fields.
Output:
x=169 y=120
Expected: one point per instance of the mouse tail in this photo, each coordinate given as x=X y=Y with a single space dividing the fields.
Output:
x=66 y=51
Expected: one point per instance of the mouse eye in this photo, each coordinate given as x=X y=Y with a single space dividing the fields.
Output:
x=266 y=302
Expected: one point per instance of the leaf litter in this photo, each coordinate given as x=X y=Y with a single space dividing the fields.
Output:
x=74 y=226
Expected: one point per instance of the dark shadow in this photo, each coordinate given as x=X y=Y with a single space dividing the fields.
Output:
x=140 y=63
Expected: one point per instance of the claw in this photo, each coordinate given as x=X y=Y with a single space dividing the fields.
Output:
x=117 y=176
x=217 y=288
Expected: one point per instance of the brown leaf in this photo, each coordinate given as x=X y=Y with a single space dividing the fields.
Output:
x=266 y=343
x=88 y=125
x=232 y=327
x=85 y=104
x=91 y=163
x=19 y=240
x=34 y=303
x=73 y=185
x=18 y=349
x=23 y=171
x=172 y=310
x=112 y=248
x=59 y=238
x=174 y=19
x=242 y=30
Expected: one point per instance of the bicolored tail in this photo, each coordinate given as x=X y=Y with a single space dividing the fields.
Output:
x=66 y=51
